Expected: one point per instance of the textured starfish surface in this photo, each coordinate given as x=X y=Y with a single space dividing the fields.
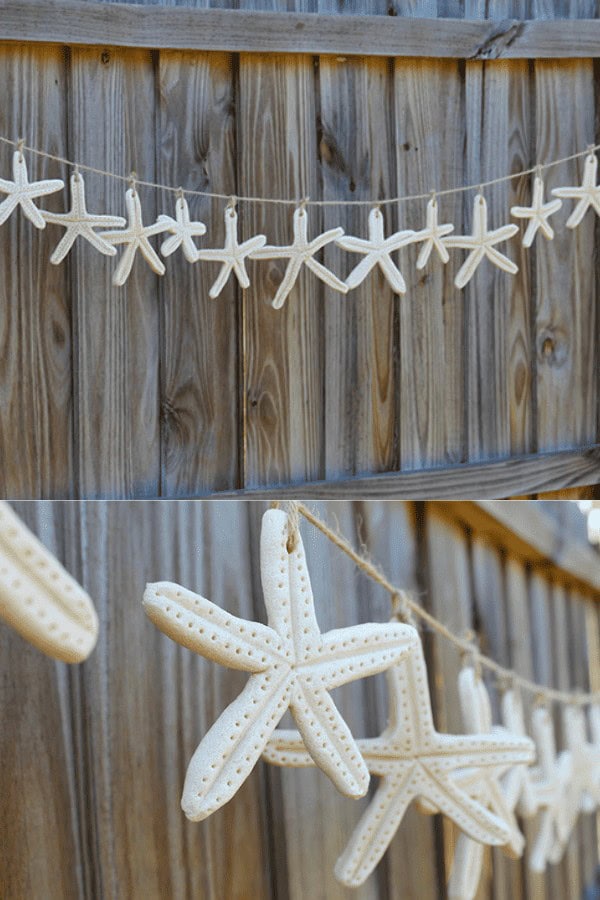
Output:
x=551 y=785
x=538 y=213
x=587 y=194
x=294 y=666
x=413 y=761
x=301 y=253
x=22 y=192
x=432 y=235
x=38 y=598
x=585 y=783
x=517 y=783
x=468 y=856
x=377 y=249
x=182 y=231
x=78 y=222
x=232 y=255
x=481 y=244
x=135 y=236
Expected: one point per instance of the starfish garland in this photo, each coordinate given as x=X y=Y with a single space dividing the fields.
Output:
x=377 y=249
x=414 y=761
x=78 y=222
x=293 y=666
x=135 y=236
x=301 y=253
x=588 y=193
x=481 y=244
x=538 y=213
x=432 y=235
x=232 y=255
x=22 y=192
x=182 y=230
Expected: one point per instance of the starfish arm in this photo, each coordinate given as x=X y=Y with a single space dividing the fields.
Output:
x=498 y=801
x=221 y=279
x=326 y=276
x=252 y=245
x=241 y=274
x=268 y=252
x=43 y=188
x=547 y=229
x=505 y=233
x=425 y=253
x=157 y=228
x=441 y=249
x=123 y=270
x=230 y=749
x=190 y=251
x=355 y=244
x=31 y=212
x=116 y=237
x=360 y=272
x=543 y=841
x=578 y=213
x=466 y=869
x=151 y=256
x=6 y=187
x=468 y=813
x=521 y=212
x=289 y=280
x=286 y=748
x=393 y=275
x=375 y=830
x=467 y=270
x=328 y=739
x=569 y=193
x=98 y=243
x=326 y=238
x=275 y=566
x=502 y=261
x=169 y=222
x=171 y=244
x=64 y=245
x=462 y=241
x=362 y=650
x=531 y=231
x=205 y=628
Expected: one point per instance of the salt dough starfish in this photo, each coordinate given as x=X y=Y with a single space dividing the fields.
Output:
x=377 y=249
x=182 y=230
x=232 y=255
x=588 y=194
x=481 y=244
x=432 y=235
x=585 y=783
x=517 y=784
x=413 y=761
x=551 y=785
x=22 y=192
x=78 y=222
x=301 y=253
x=538 y=214
x=39 y=599
x=293 y=666
x=135 y=236
x=468 y=855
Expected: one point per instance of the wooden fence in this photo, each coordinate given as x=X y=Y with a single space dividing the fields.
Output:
x=155 y=390
x=93 y=757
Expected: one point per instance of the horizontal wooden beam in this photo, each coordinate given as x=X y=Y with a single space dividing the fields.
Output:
x=473 y=481
x=185 y=28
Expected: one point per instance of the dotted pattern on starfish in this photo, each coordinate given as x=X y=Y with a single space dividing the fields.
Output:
x=39 y=599
x=481 y=244
x=293 y=666
x=431 y=236
x=538 y=214
x=22 y=192
x=414 y=761
x=135 y=236
x=78 y=222
x=487 y=788
x=301 y=253
x=377 y=249
x=517 y=783
x=588 y=193
x=233 y=255
x=182 y=231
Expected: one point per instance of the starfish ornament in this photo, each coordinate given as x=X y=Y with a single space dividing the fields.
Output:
x=39 y=599
x=487 y=789
x=432 y=235
x=481 y=244
x=22 y=192
x=377 y=249
x=136 y=237
x=232 y=255
x=517 y=784
x=414 y=762
x=182 y=231
x=588 y=194
x=551 y=786
x=293 y=666
x=78 y=222
x=538 y=214
x=585 y=781
x=301 y=253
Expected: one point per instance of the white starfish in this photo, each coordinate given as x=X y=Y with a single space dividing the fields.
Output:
x=79 y=223
x=232 y=255
x=377 y=250
x=432 y=235
x=551 y=785
x=517 y=784
x=136 y=237
x=414 y=761
x=182 y=230
x=468 y=855
x=22 y=192
x=588 y=194
x=293 y=666
x=585 y=784
x=301 y=253
x=39 y=599
x=481 y=244
x=538 y=213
